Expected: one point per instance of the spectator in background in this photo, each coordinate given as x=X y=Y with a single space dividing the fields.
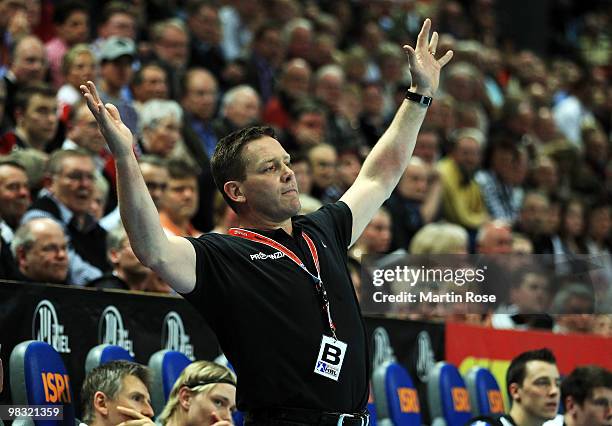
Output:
x=83 y=132
x=427 y=146
x=439 y=238
x=545 y=175
x=599 y=225
x=590 y=173
x=204 y=394
x=117 y=392
x=180 y=200
x=502 y=195
x=149 y=82
x=67 y=200
x=602 y=325
x=78 y=65
x=573 y=307
x=36 y=120
x=572 y=227
x=462 y=200
x=323 y=159
x=118 y=20
x=71 y=20
x=586 y=394
x=303 y=176
x=293 y=86
x=267 y=52
x=99 y=197
x=205 y=37
x=155 y=174
x=128 y=273
x=298 y=35
x=199 y=101
x=376 y=237
x=116 y=57
x=494 y=237
x=240 y=107
x=414 y=203
x=28 y=66
x=529 y=299
x=40 y=249
x=14 y=197
x=171 y=47
x=572 y=113
x=306 y=127
x=160 y=126
x=532 y=221
x=348 y=167
x=372 y=120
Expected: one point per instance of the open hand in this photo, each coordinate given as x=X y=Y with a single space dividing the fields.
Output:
x=117 y=135
x=424 y=67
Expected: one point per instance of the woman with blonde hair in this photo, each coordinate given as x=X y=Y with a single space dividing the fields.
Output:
x=204 y=394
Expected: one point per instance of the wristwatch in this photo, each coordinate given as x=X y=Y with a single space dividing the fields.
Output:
x=418 y=98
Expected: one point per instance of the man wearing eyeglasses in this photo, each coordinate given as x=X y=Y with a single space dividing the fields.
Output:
x=587 y=396
x=66 y=198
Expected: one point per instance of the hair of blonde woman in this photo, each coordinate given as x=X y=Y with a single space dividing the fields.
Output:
x=199 y=376
x=439 y=238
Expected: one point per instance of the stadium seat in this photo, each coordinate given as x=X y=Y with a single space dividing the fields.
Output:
x=395 y=397
x=104 y=353
x=166 y=367
x=38 y=376
x=449 y=401
x=485 y=395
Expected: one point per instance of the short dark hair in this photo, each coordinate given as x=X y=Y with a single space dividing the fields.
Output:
x=179 y=168
x=108 y=378
x=64 y=9
x=582 y=380
x=517 y=370
x=25 y=94
x=228 y=163
x=139 y=75
x=115 y=7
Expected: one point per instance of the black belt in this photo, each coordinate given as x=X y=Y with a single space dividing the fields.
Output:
x=311 y=417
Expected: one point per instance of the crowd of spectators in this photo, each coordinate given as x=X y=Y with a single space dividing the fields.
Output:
x=513 y=156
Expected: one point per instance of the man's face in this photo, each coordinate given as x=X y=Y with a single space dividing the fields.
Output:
x=309 y=129
x=47 y=259
x=329 y=91
x=133 y=394
x=39 y=120
x=349 y=167
x=270 y=188
x=120 y=25
x=118 y=72
x=73 y=185
x=156 y=179
x=596 y=409
x=83 y=69
x=414 y=182
x=296 y=81
x=173 y=47
x=201 y=95
x=531 y=296
x=126 y=261
x=181 y=199
x=205 y=25
x=75 y=29
x=539 y=393
x=153 y=85
x=303 y=176
x=467 y=155
x=14 y=194
x=29 y=64
x=244 y=110
x=534 y=214
x=162 y=139
x=85 y=131
x=497 y=240
x=323 y=160
x=377 y=234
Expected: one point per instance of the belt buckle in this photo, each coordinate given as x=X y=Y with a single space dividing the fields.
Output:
x=361 y=419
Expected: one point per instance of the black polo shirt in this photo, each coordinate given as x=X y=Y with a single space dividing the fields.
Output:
x=269 y=320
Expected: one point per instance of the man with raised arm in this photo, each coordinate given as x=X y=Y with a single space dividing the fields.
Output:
x=277 y=291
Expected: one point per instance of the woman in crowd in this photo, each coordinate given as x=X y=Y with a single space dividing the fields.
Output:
x=204 y=394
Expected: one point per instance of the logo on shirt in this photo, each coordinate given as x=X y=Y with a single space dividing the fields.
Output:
x=263 y=256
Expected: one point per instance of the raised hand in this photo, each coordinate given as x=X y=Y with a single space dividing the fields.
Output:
x=424 y=67
x=117 y=135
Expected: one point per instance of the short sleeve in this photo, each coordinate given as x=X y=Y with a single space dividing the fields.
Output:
x=335 y=219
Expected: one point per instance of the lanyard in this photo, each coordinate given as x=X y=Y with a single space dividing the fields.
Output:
x=258 y=238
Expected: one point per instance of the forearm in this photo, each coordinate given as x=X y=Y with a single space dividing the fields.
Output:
x=138 y=213
x=389 y=157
